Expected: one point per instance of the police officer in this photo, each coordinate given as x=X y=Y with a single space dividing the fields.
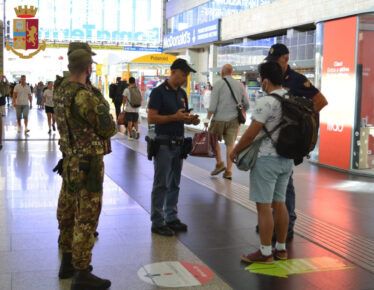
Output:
x=85 y=126
x=168 y=110
x=298 y=85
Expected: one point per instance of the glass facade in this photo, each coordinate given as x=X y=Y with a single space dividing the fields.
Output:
x=100 y=21
x=365 y=98
x=209 y=11
x=252 y=52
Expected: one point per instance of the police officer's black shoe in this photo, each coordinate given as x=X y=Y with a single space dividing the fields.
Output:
x=162 y=230
x=84 y=280
x=66 y=268
x=177 y=226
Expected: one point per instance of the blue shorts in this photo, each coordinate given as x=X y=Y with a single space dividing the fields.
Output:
x=269 y=178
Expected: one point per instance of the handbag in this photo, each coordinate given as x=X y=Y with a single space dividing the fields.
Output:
x=204 y=144
x=247 y=158
x=239 y=107
x=121 y=118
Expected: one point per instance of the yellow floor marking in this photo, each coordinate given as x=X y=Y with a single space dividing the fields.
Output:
x=298 y=266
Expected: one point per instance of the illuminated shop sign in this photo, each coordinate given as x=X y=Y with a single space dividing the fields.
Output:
x=200 y=34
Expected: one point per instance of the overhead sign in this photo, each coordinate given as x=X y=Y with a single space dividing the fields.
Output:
x=161 y=58
x=175 y=274
x=142 y=48
x=200 y=34
x=283 y=269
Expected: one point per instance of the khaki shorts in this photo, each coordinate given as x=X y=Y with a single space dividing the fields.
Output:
x=226 y=130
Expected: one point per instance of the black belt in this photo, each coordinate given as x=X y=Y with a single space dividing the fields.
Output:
x=176 y=141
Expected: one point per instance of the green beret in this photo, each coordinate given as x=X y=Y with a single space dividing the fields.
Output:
x=79 y=58
x=80 y=45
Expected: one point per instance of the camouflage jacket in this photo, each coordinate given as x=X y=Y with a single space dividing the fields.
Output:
x=83 y=119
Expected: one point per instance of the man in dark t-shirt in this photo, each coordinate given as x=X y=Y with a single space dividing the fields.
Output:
x=168 y=110
x=298 y=85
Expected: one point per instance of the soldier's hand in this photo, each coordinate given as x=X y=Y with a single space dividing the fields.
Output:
x=58 y=168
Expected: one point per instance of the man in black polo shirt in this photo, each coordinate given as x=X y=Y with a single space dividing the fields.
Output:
x=298 y=85
x=168 y=110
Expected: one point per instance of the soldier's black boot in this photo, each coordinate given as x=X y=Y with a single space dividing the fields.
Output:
x=84 y=280
x=66 y=267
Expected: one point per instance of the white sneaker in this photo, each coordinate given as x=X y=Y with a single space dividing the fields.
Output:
x=27 y=130
x=18 y=129
x=130 y=138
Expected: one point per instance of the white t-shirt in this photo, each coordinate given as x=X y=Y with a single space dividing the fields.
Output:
x=268 y=111
x=48 y=96
x=128 y=107
x=23 y=93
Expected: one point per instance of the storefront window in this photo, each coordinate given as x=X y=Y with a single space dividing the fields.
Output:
x=365 y=77
x=209 y=11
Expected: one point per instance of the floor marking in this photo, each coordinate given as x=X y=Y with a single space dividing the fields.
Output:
x=283 y=269
x=175 y=274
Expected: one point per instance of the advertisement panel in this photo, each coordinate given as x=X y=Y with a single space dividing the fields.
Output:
x=200 y=34
x=339 y=86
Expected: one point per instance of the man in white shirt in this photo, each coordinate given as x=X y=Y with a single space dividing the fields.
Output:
x=21 y=99
x=132 y=113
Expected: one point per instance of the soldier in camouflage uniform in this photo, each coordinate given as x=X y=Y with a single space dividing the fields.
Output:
x=85 y=126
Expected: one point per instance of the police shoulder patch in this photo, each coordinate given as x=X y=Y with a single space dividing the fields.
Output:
x=307 y=84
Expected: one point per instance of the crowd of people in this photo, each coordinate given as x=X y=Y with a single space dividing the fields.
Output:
x=86 y=125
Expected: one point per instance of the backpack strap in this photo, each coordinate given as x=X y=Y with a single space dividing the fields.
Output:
x=268 y=133
x=232 y=93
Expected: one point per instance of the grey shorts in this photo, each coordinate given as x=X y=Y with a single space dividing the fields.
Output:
x=269 y=178
x=22 y=111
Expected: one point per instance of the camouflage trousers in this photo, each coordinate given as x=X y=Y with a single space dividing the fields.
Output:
x=79 y=207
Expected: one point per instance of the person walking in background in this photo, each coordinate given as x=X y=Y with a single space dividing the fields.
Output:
x=206 y=95
x=4 y=94
x=47 y=103
x=132 y=100
x=85 y=126
x=271 y=172
x=39 y=95
x=22 y=101
x=225 y=122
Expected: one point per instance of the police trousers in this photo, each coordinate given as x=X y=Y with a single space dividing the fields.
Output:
x=165 y=191
x=79 y=207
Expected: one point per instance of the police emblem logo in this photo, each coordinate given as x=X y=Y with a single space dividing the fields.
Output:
x=307 y=84
x=271 y=51
x=26 y=32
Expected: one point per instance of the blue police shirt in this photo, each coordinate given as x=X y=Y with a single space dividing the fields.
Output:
x=168 y=101
x=298 y=85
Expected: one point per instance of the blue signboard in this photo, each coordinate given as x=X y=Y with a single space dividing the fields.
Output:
x=142 y=48
x=200 y=34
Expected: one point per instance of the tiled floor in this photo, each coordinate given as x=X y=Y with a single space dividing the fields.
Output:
x=220 y=229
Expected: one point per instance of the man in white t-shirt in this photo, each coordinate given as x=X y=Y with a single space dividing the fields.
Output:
x=132 y=114
x=269 y=176
x=21 y=100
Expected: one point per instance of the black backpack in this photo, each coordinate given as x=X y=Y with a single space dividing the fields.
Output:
x=298 y=128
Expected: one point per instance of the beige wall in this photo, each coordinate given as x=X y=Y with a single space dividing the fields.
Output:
x=283 y=14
